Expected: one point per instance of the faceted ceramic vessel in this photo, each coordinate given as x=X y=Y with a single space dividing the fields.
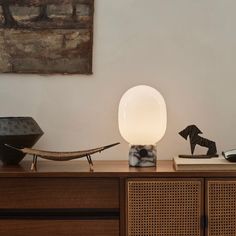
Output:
x=19 y=132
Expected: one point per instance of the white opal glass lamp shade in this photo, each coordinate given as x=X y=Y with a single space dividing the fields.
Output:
x=142 y=121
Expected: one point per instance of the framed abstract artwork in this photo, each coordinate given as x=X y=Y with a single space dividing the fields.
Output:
x=46 y=36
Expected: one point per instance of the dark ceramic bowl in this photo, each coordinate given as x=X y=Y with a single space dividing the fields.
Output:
x=19 y=132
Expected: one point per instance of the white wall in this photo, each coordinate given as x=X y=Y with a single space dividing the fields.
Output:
x=184 y=48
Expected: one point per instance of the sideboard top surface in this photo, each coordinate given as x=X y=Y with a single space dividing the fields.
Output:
x=164 y=169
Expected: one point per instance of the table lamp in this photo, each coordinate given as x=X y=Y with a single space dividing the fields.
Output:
x=142 y=123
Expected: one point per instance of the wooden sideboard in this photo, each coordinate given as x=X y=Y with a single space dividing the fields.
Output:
x=65 y=199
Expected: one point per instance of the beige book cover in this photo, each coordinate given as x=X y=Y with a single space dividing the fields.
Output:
x=188 y=164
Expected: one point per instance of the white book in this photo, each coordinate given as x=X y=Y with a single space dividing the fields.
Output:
x=216 y=163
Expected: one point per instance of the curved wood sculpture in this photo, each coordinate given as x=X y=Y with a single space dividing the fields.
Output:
x=61 y=156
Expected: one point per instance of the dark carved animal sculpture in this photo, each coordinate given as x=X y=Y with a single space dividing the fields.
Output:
x=42 y=4
x=193 y=132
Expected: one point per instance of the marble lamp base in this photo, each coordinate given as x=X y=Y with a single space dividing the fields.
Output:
x=142 y=156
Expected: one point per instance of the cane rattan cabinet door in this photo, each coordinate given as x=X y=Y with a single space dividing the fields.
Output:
x=164 y=207
x=221 y=207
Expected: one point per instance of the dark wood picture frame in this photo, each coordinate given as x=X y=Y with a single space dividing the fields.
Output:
x=46 y=36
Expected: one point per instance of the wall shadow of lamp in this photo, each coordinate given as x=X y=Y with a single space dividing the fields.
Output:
x=142 y=120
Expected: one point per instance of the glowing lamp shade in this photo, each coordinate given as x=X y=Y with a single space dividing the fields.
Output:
x=142 y=121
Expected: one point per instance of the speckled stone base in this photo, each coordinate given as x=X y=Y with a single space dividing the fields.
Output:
x=142 y=156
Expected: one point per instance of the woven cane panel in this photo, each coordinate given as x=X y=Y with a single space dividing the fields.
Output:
x=222 y=208
x=164 y=208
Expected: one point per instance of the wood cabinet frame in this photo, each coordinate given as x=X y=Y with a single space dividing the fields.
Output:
x=113 y=174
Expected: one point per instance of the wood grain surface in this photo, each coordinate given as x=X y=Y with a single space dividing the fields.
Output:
x=59 y=193
x=105 y=169
x=59 y=227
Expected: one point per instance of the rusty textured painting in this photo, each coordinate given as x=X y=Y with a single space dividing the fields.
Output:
x=46 y=36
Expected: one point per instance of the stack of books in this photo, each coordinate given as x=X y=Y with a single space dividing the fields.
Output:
x=217 y=163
